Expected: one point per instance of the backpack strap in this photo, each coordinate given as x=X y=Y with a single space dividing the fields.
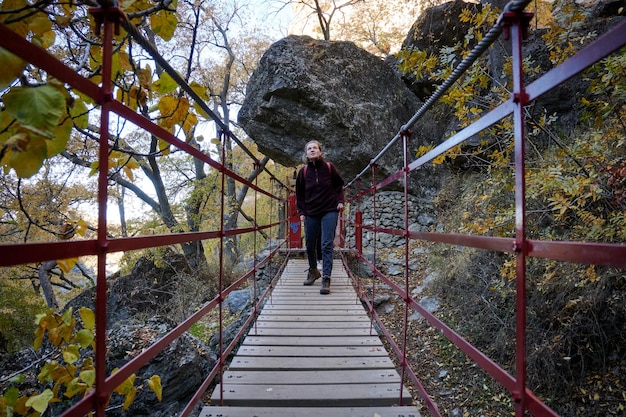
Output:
x=307 y=165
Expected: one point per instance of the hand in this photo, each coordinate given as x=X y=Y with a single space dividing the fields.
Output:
x=340 y=206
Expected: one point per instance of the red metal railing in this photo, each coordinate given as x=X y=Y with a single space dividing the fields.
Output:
x=103 y=246
x=108 y=21
x=514 y=21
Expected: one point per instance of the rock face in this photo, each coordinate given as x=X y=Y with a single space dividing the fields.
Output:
x=436 y=27
x=334 y=92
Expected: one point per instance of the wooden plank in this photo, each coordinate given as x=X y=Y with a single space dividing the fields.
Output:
x=315 y=351
x=322 y=312
x=310 y=332
x=313 y=377
x=314 y=325
x=335 y=395
x=221 y=411
x=312 y=341
x=274 y=316
x=289 y=363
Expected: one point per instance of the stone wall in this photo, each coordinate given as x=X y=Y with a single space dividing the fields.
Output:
x=390 y=215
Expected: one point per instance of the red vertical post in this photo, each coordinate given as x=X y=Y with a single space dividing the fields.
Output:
x=406 y=136
x=358 y=231
x=295 y=225
x=516 y=23
x=105 y=20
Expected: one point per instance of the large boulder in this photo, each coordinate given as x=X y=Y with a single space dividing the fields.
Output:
x=333 y=92
x=437 y=27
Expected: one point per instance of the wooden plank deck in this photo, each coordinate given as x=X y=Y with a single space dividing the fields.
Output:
x=311 y=355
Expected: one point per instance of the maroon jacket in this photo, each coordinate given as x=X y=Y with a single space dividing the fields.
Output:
x=321 y=190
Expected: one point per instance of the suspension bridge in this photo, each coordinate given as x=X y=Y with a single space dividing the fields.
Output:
x=302 y=354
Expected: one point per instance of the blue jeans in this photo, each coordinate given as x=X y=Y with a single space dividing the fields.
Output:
x=321 y=227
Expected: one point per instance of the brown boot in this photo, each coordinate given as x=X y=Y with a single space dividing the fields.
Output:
x=313 y=274
x=325 y=288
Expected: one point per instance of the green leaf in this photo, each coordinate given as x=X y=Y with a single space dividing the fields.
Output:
x=18 y=379
x=164 y=23
x=61 y=137
x=12 y=67
x=84 y=337
x=74 y=387
x=40 y=402
x=45 y=374
x=71 y=354
x=26 y=162
x=89 y=377
x=79 y=114
x=11 y=396
x=67 y=316
x=41 y=107
x=88 y=318
x=165 y=84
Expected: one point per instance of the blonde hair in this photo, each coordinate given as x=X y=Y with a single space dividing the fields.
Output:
x=319 y=145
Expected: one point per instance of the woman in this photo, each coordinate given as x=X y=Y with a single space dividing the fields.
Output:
x=319 y=196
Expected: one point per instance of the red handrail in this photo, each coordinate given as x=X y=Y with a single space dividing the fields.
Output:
x=579 y=252
x=103 y=245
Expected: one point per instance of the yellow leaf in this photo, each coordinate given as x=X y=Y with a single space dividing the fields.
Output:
x=81 y=227
x=74 y=387
x=164 y=147
x=94 y=168
x=40 y=402
x=84 y=337
x=439 y=160
x=61 y=137
x=201 y=111
x=124 y=61
x=40 y=25
x=200 y=90
x=66 y=265
x=27 y=162
x=144 y=76
x=181 y=112
x=155 y=385
x=126 y=386
x=88 y=318
x=67 y=316
x=130 y=397
x=129 y=173
x=164 y=23
x=132 y=163
x=48 y=38
x=190 y=122
x=12 y=68
x=89 y=376
x=79 y=114
x=167 y=106
x=71 y=354
x=165 y=84
x=95 y=56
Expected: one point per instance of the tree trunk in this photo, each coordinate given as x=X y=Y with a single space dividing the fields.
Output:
x=46 y=285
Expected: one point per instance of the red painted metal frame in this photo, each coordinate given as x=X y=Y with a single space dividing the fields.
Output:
x=578 y=252
x=11 y=255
